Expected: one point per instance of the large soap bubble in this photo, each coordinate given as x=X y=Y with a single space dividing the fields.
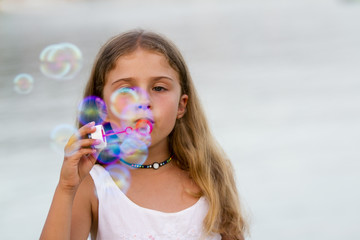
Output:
x=92 y=109
x=60 y=136
x=110 y=154
x=130 y=105
x=122 y=99
x=61 y=61
x=133 y=150
x=120 y=176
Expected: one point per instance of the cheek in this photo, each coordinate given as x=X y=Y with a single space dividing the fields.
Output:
x=170 y=108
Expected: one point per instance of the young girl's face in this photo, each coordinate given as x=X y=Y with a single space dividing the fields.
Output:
x=153 y=85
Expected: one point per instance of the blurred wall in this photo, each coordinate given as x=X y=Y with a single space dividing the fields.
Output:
x=279 y=81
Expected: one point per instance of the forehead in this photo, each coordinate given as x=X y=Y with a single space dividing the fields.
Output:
x=142 y=63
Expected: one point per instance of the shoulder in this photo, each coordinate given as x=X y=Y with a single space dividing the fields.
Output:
x=188 y=183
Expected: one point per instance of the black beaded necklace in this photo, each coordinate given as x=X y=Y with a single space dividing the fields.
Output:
x=154 y=165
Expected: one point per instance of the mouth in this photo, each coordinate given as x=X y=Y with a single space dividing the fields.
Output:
x=146 y=119
x=144 y=125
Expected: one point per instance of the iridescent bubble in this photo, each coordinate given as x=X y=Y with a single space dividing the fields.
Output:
x=120 y=175
x=133 y=150
x=60 y=136
x=92 y=109
x=144 y=126
x=130 y=105
x=121 y=99
x=23 y=83
x=61 y=61
x=143 y=130
x=110 y=153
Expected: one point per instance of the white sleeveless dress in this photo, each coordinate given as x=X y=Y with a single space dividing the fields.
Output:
x=121 y=219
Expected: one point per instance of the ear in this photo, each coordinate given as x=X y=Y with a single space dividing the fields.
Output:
x=182 y=106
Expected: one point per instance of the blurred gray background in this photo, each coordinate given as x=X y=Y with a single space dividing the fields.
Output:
x=280 y=82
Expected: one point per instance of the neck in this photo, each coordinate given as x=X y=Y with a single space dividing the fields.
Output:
x=158 y=153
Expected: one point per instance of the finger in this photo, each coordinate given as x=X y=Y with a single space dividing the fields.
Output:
x=92 y=157
x=83 y=143
x=72 y=140
x=87 y=129
x=89 y=159
x=76 y=155
x=83 y=131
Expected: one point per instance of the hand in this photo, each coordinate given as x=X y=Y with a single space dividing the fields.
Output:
x=79 y=158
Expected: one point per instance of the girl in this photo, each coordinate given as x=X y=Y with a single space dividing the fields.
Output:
x=192 y=195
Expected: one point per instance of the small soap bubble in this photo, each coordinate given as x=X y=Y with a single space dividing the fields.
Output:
x=92 y=109
x=143 y=131
x=60 y=135
x=23 y=83
x=120 y=175
x=133 y=150
x=144 y=126
x=61 y=61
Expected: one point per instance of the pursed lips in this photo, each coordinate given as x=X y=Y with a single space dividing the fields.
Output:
x=144 y=118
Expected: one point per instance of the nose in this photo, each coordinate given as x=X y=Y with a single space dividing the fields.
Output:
x=143 y=106
x=144 y=102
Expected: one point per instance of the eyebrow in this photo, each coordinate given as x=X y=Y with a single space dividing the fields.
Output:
x=122 y=80
x=130 y=79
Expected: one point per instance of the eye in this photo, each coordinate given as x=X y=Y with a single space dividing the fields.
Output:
x=159 y=89
x=126 y=89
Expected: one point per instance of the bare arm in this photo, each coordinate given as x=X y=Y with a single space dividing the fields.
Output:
x=78 y=161
x=57 y=225
x=84 y=211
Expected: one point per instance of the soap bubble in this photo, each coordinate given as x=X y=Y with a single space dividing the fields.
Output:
x=123 y=98
x=110 y=153
x=144 y=127
x=133 y=150
x=23 y=83
x=61 y=61
x=92 y=109
x=60 y=136
x=120 y=175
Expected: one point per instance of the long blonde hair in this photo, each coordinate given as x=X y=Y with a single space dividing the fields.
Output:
x=195 y=149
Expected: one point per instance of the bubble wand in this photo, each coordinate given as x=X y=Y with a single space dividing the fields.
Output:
x=101 y=135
